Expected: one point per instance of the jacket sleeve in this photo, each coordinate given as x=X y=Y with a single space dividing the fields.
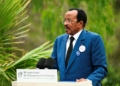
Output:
x=54 y=55
x=98 y=57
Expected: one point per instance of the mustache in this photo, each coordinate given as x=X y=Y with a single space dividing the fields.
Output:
x=66 y=27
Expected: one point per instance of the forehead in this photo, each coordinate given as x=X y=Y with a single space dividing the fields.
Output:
x=71 y=14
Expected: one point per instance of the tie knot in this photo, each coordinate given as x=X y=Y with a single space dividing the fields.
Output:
x=71 y=38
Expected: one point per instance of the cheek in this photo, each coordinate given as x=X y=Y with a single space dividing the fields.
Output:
x=72 y=27
x=77 y=26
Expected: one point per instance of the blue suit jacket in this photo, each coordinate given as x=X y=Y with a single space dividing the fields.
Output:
x=90 y=64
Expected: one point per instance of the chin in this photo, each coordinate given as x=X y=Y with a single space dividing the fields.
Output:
x=68 y=33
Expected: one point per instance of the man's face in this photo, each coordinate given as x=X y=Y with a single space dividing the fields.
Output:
x=71 y=24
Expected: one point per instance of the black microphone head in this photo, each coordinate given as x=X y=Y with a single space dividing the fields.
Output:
x=49 y=63
x=41 y=63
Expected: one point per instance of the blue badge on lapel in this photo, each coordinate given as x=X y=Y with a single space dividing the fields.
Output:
x=78 y=53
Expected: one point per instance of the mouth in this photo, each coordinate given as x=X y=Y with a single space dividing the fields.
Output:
x=66 y=27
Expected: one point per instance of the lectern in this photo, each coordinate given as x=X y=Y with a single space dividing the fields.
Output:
x=85 y=83
x=33 y=77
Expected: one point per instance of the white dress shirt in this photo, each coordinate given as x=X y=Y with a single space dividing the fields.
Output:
x=74 y=41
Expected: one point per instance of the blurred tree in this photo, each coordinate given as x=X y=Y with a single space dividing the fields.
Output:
x=12 y=32
x=99 y=12
x=12 y=13
x=114 y=57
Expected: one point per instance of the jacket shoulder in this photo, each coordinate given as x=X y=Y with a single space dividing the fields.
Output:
x=62 y=36
x=92 y=33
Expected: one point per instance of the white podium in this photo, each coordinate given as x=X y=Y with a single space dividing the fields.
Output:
x=85 y=83
x=33 y=77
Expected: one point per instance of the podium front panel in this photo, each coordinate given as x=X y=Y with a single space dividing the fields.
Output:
x=85 y=83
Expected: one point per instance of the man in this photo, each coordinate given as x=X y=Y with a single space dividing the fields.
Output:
x=79 y=54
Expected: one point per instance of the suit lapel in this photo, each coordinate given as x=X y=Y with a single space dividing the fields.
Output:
x=79 y=41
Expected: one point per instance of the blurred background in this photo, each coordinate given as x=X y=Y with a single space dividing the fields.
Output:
x=103 y=17
x=45 y=18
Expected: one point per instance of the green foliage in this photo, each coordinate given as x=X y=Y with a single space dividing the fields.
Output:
x=117 y=85
x=33 y=55
x=29 y=60
x=12 y=13
x=99 y=12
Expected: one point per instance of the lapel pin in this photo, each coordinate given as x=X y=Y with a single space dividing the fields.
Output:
x=82 y=48
x=78 y=53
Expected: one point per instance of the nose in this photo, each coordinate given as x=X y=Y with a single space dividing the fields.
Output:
x=65 y=23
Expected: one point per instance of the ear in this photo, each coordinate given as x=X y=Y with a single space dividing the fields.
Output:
x=81 y=24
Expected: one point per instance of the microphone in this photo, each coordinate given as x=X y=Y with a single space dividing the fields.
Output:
x=49 y=63
x=40 y=64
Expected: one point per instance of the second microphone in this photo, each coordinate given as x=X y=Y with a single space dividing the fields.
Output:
x=44 y=63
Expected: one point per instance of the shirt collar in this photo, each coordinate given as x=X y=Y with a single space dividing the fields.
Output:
x=76 y=35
